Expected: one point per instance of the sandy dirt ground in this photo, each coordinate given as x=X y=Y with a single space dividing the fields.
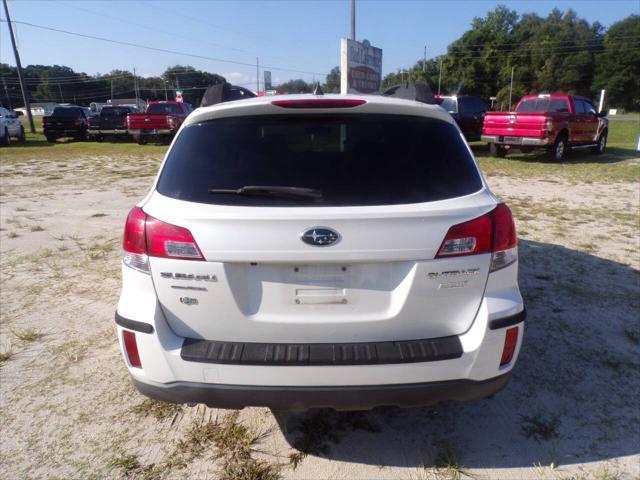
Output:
x=68 y=410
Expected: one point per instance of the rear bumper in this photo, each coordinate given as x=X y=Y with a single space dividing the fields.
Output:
x=108 y=132
x=151 y=131
x=342 y=375
x=61 y=133
x=522 y=141
x=340 y=398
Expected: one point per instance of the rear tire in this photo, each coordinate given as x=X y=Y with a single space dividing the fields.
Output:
x=558 y=151
x=602 y=144
x=99 y=138
x=6 y=140
x=497 y=150
x=81 y=136
x=140 y=139
x=51 y=139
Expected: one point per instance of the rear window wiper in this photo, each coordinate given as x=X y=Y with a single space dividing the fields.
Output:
x=271 y=191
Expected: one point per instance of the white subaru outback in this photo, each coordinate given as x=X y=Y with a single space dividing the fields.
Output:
x=320 y=251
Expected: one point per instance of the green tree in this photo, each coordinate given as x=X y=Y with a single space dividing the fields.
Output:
x=295 y=86
x=618 y=66
x=332 y=84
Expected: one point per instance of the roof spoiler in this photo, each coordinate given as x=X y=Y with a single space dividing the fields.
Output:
x=417 y=91
x=224 y=92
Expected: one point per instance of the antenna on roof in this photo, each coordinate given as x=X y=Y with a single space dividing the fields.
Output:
x=317 y=90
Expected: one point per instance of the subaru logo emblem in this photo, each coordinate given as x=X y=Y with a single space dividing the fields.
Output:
x=320 y=236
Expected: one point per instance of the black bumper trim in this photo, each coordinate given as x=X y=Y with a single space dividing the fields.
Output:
x=133 y=324
x=321 y=354
x=340 y=397
x=508 y=321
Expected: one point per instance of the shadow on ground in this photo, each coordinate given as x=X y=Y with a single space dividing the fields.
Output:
x=582 y=155
x=572 y=399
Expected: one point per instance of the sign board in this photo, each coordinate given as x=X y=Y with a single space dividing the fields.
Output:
x=360 y=67
x=178 y=95
x=267 y=80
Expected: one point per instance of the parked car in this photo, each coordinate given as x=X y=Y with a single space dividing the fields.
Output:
x=319 y=251
x=160 y=121
x=111 y=121
x=65 y=122
x=468 y=112
x=556 y=122
x=10 y=126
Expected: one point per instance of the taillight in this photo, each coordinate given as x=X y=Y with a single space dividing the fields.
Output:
x=548 y=124
x=319 y=103
x=171 y=122
x=170 y=241
x=89 y=122
x=146 y=236
x=77 y=123
x=493 y=233
x=131 y=347
x=510 y=342
x=468 y=238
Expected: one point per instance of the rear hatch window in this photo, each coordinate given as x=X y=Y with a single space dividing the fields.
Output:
x=163 y=108
x=348 y=160
x=542 y=105
x=66 y=112
x=114 y=112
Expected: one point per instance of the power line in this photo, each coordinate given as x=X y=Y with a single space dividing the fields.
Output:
x=162 y=50
x=153 y=29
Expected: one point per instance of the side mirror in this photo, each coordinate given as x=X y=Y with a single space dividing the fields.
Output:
x=17 y=114
x=601 y=114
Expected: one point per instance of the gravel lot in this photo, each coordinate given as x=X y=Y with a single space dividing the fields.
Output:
x=68 y=410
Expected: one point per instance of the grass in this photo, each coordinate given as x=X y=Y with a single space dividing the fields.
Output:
x=158 y=410
x=632 y=335
x=230 y=442
x=318 y=430
x=6 y=354
x=540 y=428
x=36 y=146
x=616 y=165
x=446 y=461
x=28 y=334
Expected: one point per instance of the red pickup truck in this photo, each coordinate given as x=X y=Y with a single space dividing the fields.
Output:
x=556 y=122
x=160 y=121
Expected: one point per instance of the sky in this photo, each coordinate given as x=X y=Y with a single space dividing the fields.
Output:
x=293 y=39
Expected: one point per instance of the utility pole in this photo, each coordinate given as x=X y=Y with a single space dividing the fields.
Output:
x=257 y=75
x=23 y=87
x=135 y=87
x=511 y=88
x=353 y=20
x=112 y=90
x=424 y=60
x=61 y=96
x=6 y=92
x=166 y=96
x=439 y=75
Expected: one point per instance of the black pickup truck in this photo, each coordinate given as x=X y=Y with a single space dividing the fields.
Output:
x=111 y=121
x=65 y=122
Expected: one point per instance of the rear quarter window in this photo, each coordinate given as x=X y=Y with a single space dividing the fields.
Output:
x=353 y=160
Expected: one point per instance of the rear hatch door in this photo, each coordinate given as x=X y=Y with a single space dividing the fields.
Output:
x=391 y=189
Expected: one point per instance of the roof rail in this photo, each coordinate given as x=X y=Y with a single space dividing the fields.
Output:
x=224 y=92
x=417 y=91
